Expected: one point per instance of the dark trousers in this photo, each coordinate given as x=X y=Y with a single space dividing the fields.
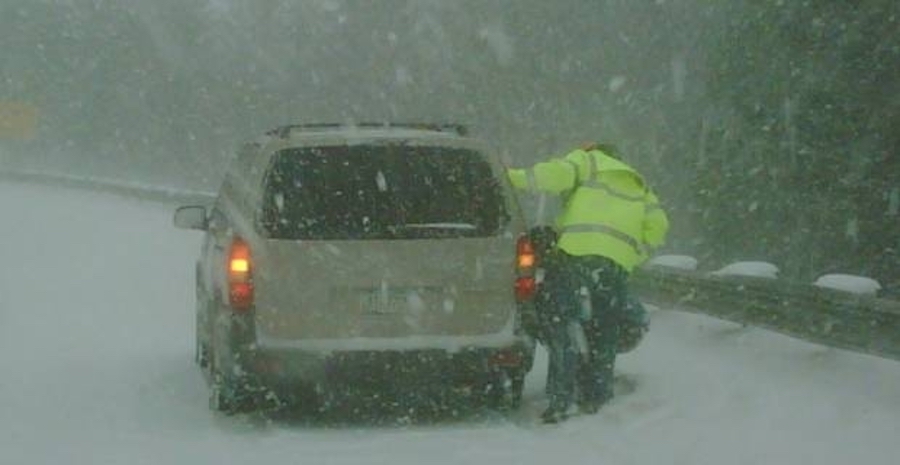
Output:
x=581 y=302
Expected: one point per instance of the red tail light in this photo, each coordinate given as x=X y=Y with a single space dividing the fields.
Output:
x=525 y=256
x=525 y=285
x=240 y=275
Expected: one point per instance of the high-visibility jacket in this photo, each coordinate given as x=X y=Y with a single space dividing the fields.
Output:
x=609 y=209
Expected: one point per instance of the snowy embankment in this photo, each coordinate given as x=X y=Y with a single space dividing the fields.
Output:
x=96 y=327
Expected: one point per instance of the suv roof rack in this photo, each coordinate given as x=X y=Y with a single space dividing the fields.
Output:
x=285 y=131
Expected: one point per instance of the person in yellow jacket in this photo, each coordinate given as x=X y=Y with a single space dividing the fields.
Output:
x=609 y=223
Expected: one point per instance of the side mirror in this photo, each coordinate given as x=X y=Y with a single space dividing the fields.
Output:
x=191 y=217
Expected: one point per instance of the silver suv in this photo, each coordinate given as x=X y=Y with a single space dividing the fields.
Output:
x=384 y=256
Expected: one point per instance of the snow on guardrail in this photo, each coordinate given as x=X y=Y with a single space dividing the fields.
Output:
x=831 y=311
x=849 y=283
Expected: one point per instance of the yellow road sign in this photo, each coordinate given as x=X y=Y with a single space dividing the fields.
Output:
x=18 y=120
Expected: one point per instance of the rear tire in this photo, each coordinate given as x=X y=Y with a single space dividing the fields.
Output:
x=227 y=394
x=503 y=391
x=201 y=350
x=230 y=398
x=516 y=386
x=202 y=354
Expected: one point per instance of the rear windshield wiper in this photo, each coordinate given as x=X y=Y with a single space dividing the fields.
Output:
x=444 y=226
x=434 y=230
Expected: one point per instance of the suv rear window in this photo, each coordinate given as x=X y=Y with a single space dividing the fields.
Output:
x=381 y=192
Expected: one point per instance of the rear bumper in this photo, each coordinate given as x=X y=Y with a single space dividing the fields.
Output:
x=249 y=358
x=287 y=367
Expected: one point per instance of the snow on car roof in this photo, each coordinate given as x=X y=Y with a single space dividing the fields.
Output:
x=356 y=136
x=453 y=129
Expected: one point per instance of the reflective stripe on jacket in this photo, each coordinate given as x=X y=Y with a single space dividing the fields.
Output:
x=609 y=210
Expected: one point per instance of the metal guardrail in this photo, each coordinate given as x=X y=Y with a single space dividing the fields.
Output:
x=860 y=323
x=112 y=186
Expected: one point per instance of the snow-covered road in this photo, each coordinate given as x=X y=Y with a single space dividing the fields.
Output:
x=96 y=327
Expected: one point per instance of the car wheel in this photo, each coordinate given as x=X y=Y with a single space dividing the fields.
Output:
x=230 y=397
x=221 y=399
x=516 y=387
x=203 y=336
x=503 y=391
x=201 y=350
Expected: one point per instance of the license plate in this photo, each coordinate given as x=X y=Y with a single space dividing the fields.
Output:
x=392 y=301
x=382 y=303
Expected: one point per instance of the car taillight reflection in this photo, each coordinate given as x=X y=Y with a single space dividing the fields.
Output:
x=240 y=278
